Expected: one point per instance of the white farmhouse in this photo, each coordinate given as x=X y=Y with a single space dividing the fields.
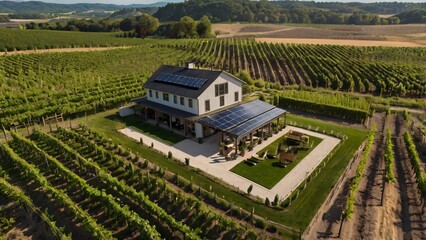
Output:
x=202 y=102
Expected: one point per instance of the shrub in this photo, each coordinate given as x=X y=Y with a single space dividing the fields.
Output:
x=249 y=189
x=170 y=155
x=259 y=223
x=267 y=202
x=276 y=200
x=187 y=161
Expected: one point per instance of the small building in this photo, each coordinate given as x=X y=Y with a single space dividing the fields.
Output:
x=203 y=102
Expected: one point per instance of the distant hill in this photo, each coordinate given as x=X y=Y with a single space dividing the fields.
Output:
x=413 y=16
x=133 y=12
x=42 y=7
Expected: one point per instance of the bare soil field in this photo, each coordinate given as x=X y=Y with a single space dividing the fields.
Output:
x=362 y=43
x=61 y=50
x=408 y=35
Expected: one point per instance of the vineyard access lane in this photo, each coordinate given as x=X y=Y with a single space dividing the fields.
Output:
x=206 y=157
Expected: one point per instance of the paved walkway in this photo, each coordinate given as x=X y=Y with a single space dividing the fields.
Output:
x=206 y=157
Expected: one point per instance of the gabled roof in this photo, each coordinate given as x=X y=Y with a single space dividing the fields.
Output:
x=208 y=75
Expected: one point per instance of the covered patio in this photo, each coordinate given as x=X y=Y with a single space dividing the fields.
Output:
x=174 y=119
x=249 y=122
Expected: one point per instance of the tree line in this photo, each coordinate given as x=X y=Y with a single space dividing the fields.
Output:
x=139 y=26
x=266 y=12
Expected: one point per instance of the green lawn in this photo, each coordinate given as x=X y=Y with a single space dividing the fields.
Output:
x=269 y=172
x=301 y=211
x=159 y=133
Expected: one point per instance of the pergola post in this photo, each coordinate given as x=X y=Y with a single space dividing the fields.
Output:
x=222 y=136
x=285 y=119
x=156 y=117
x=185 y=128
x=269 y=126
x=170 y=123
x=236 y=147
x=146 y=113
x=251 y=138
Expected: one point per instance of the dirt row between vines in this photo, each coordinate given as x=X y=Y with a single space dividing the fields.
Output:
x=396 y=214
x=399 y=216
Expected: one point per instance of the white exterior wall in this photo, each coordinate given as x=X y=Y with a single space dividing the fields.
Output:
x=126 y=111
x=198 y=130
x=209 y=94
x=170 y=103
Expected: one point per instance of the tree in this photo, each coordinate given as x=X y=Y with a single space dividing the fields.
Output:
x=186 y=28
x=204 y=27
x=128 y=24
x=276 y=199
x=249 y=189
x=146 y=25
x=267 y=202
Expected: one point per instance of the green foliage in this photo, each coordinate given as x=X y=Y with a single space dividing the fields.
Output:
x=389 y=157
x=186 y=28
x=146 y=25
x=379 y=70
x=353 y=188
x=267 y=202
x=278 y=12
x=40 y=39
x=416 y=163
x=249 y=189
x=204 y=27
x=334 y=106
x=406 y=115
x=170 y=155
x=33 y=173
x=245 y=76
x=412 y=16
x=74 y=83
x=276 y=200
x=19 y=196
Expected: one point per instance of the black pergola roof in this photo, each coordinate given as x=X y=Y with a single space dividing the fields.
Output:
x=243 y=119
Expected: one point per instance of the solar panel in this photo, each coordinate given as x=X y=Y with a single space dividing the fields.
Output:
x=234 y=116
x=186 y=81
x=256 y=122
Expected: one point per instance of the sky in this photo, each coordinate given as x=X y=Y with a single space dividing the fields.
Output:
x=124 y=2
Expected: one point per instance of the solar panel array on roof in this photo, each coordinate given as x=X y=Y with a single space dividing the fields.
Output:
x=180 y=80
x=236 y=115
x=256 y=122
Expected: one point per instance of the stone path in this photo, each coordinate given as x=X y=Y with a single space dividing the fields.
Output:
x=206 y=157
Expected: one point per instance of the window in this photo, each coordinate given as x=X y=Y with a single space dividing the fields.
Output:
x=150 y=93
x=190 y=103
x=182 y=101
x=221 y=89
x=207 y=104
x=174 y=99
x=222 y=100
x=166 y=97
x=156 y=94
x=236 y=96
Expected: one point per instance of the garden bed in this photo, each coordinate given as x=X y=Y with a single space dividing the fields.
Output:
x=269 y=172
